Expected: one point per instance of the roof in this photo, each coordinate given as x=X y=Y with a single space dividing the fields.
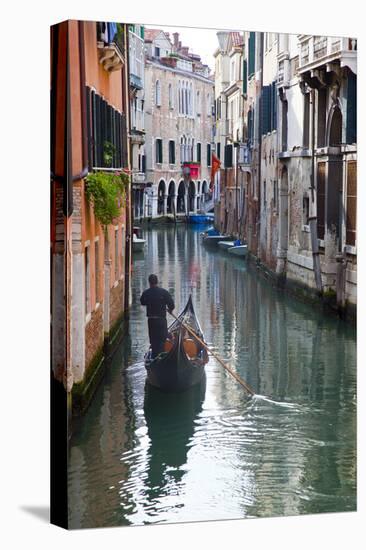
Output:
x=236 y=39
x=151 y=34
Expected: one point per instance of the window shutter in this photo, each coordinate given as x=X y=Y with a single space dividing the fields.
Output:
x=251 y=54
x=351 y=132
x=245 y=76
x=228 y=156
x=198 y=152
x=274 y=106
x=266 y=109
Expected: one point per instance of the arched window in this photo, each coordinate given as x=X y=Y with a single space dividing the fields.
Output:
x=198 y=103
x=186 y=98
x=191 y=99
x=179 y=98
x=158 y=93
x=181 y=150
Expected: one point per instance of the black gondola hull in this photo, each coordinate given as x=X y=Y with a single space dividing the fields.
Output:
x=175 y=371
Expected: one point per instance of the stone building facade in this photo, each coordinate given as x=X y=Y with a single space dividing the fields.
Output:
x=90 y=265
x=300 y=145
x=179 y=98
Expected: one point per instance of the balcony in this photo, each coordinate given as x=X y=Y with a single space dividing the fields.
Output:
x=327 y=52
x=137 y=137
x=138 y=177
x=135 y=82
x=111 y=48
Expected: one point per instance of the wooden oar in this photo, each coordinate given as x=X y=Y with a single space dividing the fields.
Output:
x=226 y=367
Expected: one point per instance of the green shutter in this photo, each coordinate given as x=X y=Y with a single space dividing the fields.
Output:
x=351 y=132
x=251 y=54
x=266 y=110
x=245 y=76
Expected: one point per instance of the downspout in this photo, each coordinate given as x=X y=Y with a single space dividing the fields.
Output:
x=313 y=216
x=129 y=213
x=260 y=141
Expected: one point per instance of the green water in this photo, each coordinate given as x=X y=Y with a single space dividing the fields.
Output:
x=140 y=457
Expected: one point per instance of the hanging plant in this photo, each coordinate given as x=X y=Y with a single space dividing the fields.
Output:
x=106 y=192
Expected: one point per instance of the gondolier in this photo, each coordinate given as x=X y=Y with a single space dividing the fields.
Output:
x=157 y=300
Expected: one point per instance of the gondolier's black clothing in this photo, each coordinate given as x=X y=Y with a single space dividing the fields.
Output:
x=157 y=300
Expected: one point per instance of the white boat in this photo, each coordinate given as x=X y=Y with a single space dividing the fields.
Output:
x=137 y=243
x=225 y=244
x=214 y=239
x=240 y=250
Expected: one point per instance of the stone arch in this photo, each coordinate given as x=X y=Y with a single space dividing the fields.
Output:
x=181 y=197
x=171 y=197
x=334 y=127
x=161 y=196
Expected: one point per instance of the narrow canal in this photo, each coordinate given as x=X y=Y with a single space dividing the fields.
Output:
x=140 y=457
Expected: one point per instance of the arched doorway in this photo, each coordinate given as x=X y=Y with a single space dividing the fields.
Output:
x=335 y=127
x=334 y=180
x=180 y=198
x=171 y=198
x=192 y=196
x=161 y=197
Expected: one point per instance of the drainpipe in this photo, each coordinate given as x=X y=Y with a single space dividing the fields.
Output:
x=313 y=216
x=260 y=140
x=129 y=212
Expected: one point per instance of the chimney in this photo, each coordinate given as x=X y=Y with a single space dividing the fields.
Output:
x=176 y=39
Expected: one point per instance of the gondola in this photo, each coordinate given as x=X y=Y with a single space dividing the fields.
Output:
x=182 y=364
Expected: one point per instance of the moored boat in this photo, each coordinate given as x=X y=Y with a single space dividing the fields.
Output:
x=138 y=244
x=224 y=245
x=213 y=240
x=238 y=250
x=182 y=364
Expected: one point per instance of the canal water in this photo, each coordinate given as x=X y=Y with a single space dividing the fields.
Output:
x=141 y=457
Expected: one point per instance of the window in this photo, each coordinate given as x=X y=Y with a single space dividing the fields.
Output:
x=322 y=116
x=96 y=263
x=306 y=133
x=198 y=152
x=351 y=127
x=251 y=48
x=320 y=202
x=275 y=195
x=305 y=210
x=218 y=150
x=87 y=278
x=106 y=129
x=159 y=151
x=158 y=93
x=208 y=154
x=284 y=124
x=157 y=51
x=198 y=103
x=190 y=100
x=171 y=152
x=180 y=97
x=351 y=203
x=116 y=255
x=171 y=102
x=269 y=108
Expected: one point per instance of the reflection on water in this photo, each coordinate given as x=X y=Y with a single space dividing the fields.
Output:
x=140 y=456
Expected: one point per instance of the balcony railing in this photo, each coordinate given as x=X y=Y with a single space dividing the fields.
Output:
x=318 y=50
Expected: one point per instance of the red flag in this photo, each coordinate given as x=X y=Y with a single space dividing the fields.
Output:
x=215 y=166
